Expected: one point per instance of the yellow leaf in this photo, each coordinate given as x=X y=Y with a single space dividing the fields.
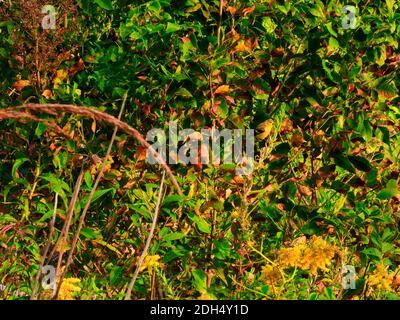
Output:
x=244 y=46
x=340 y=203
x=93 y=127
x=109 y=246
x=206 y=296
x=265 y=128
x=60 y=77
x=192 y=190
x=222 y=89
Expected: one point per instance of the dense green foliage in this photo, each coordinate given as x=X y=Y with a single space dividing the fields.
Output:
x=325 y=102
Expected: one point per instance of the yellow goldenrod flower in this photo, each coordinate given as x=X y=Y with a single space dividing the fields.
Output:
x=316 y=255
x=150 y=262
x=381 y=279
x=290 y=257
x=251 y=243
x=69 y=288
x=271 y=274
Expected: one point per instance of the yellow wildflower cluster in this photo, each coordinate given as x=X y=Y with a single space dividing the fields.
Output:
x=97 y=163
x=314 y=255
x=68 y=288
x=271 y=274
x=150 y=262
x=381 y=279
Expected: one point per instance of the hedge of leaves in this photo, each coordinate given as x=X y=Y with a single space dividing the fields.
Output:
x=325 y=189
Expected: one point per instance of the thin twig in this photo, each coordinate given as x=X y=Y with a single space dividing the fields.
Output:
x=148 y=241
x=62 y=241
x=46 y=250
x=85 y=210
x=221 y=7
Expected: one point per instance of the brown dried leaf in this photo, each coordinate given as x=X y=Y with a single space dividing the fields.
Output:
x=141 y=153
x=304 y=190
x=297 y=140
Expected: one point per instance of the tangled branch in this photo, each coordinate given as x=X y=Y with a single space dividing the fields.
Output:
x=23 y=112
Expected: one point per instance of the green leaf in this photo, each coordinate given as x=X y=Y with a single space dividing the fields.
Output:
x=183 y=93
x=386 y=247
x=330 y=29
x=174 y=236
x=333 y=44
x=202 y=224
x=199 y=280
x=366 y=130
x=104 y=4
x=172 y=27
x=310 y=228
x=140 y=209
x=57 y=184
x=40 y=129
x=268 y=24
x=90 y=234
x=372 y=253
x=5 y=218
x=88 y=179
x=97 y=195
x=390 y=5
x=390 y=191
x=173 y=198
x=360 y=163
x=329 y=293
x=223 y=109
x=318 y=10
x=343 y=161
x=175 y=253
x=115 y=275
x=16 y=165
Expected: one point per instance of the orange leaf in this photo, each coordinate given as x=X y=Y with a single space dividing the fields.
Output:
x=248 y=11
x=52 y=147
x=141 y=153
x=238 y=180
x=281 y=206
x=277 y=52
x=231 y=10
x=47 y=94
x=129 y=184
x=229 y=99
x=76 y=67
x=222 y=89
x=21 y=84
